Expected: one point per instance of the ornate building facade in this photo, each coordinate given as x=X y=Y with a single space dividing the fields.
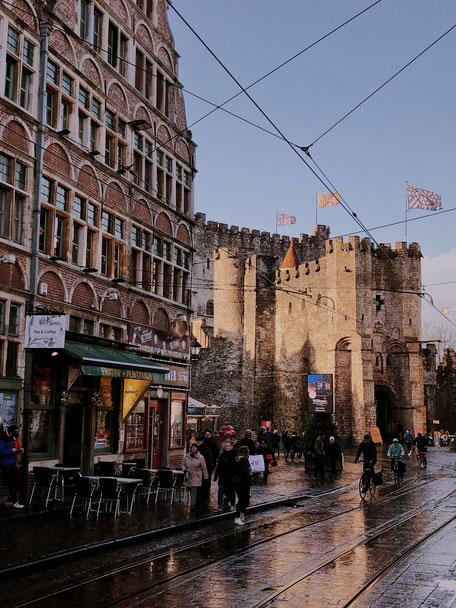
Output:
x=106 y=163
x=327 y=306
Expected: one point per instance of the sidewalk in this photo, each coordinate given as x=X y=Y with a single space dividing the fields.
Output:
x=40 y=533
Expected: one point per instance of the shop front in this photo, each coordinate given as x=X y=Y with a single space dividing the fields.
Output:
x=201 y=416
x=81 y=396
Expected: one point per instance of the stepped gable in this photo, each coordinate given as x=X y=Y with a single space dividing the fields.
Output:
x=291 y=259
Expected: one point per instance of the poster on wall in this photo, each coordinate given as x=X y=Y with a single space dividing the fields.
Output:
x=8 y=403
x=320 y=394
x=132 y=392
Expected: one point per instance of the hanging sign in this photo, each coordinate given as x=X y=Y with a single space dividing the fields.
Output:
x=320 y=394
x=45 y=331
x=132 y=392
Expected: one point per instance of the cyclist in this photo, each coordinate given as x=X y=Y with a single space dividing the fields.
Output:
x=421 y=446
x=369 y=451
x=396 y=452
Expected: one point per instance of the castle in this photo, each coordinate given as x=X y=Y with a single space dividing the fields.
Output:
x=273 y=310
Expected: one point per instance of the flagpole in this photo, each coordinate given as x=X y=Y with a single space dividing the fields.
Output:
x=276 y=222
x=406 y=211
x=316 y=210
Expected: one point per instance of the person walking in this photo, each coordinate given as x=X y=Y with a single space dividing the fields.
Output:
x=334 y=454
x=224 y=473
x=195 y=469
x=9 y=455
x=266 y=451
x=205 y=489
x=275 y=443
x=286 y=442
x=319 y=451
x=247 y=441
x=242 y=481
x=300 y=446
x=409 y=439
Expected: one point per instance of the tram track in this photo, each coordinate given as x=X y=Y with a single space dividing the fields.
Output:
x=190 y=547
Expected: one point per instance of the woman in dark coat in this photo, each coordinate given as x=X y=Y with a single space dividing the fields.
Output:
x=224 y=472
x=241 y=481
x=266 y=451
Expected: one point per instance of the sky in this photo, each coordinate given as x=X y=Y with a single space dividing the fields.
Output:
x=405 y=133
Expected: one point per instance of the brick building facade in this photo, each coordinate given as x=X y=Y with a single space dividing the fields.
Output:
x=115 y=225
x=326 y=307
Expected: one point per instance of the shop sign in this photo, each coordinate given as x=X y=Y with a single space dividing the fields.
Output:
x=212 y=411
x=195 y=411
x=376 y=435
x=320 y=394
x=114 y=372
x=105 y=392
x=177 y=376
x=160 y=342
x=132 y=392
x=45 y=331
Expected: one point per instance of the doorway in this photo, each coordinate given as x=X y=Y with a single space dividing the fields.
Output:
x=384 y=408
x=155 y=433
x=73 y=436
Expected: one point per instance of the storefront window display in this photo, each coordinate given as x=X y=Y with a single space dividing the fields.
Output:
x=42 y=416
x=177 y=424
x=8 y=408
x=105 y=416
x=40 y=430
x=136 y=428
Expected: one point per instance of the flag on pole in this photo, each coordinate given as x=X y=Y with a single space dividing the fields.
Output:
x=285 y=219
x=422 y=199
x=328 y=200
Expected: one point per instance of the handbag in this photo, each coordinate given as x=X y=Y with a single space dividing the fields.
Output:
x=268 y=457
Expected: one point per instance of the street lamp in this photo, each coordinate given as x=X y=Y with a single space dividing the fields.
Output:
x=195 y=348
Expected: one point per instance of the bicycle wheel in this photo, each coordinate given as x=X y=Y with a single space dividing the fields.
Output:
x=363 y=486
x=372 y=488
x=397 y=479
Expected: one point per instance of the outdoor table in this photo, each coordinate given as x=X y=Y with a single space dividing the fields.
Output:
x=122 y=481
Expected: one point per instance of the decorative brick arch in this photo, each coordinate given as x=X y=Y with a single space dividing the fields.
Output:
x=143 y=114
x=92 y=72
x=144 y=36
x=11 y=275
x=60 y=42
x=112 y=307
x=16 y=135
x=115 y=196
x=183 y=235
x=83 y=295
x=87 y=178
x=55 y=286
x=183 y=151
x=120 y=10
x=24 y=11
x=142 y=213
x=140 y=313
x=163 y=134
x=165 y=58
x=163 y=224
x=161 y=319
x=56 y=159
x=117 y=95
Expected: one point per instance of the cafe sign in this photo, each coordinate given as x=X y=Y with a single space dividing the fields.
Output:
x=45 y=331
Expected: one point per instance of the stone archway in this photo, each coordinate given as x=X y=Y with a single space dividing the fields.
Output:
x=384 y=403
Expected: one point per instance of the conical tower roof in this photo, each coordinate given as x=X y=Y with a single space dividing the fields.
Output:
x=290 y=260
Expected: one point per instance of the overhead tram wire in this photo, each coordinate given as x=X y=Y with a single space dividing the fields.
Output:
x=381 y=86
x=344 y=204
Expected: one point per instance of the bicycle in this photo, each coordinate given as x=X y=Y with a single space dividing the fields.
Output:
x=396 y=473
x=366 y=481
x=421 y=459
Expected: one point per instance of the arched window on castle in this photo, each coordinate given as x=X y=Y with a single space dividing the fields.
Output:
x=210 y=308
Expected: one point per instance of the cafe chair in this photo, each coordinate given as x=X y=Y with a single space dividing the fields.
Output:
x=166 y=483
x=149 y=483
x=85 y=489
x=129 y=469
x=44 y=478
x=109 y=495
x=104 y=469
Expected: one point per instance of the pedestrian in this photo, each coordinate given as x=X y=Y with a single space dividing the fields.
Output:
x=196 y=472
x=286 y=442
x=300 y=446
x=399 y=429
x=294 y=439
x=212 y=443
x=266 y=451
x=256 y=443
x=9 y=455
x=275 y=443
x=369 y=451
x=409 y=439
x=242 y=482
x=334 y=455
x=205 y=489
x=319 y=455
x=224 y=473
x=247 y=441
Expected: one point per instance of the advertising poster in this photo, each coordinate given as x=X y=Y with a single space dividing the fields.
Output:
x=8 y=403
x=320 y=394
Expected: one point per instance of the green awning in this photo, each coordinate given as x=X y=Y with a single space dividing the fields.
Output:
x=114 y=363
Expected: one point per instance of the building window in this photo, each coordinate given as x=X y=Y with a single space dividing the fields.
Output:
x=76 y=243
x=89 y=119
x=2 y=316
x=84 y=16
x=59 y=93
x=11 y=359
x=19 y=68
x=164 y=91
x=115 y=144
x=75 y=324
x=12 y=203
x=14 y=314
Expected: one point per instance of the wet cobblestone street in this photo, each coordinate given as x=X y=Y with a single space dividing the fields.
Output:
x=318 y=551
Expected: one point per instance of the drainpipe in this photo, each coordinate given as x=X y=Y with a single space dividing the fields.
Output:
x=45 y=32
